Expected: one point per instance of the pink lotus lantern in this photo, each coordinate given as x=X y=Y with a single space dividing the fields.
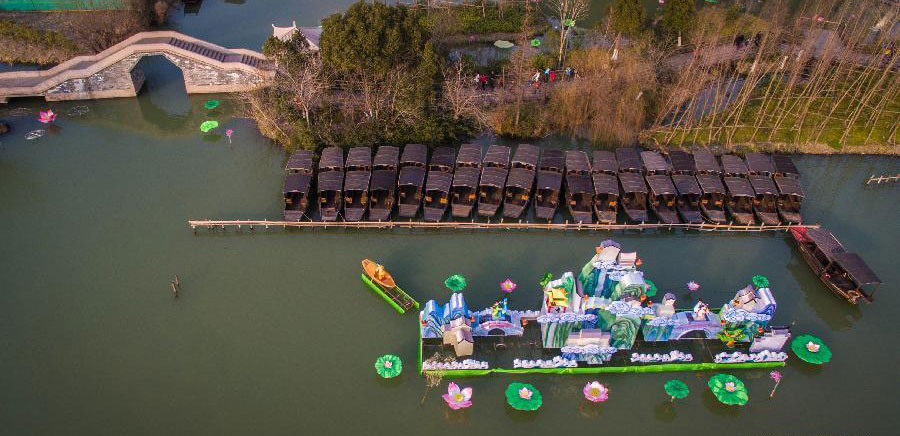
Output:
x=693 y=286
x=228 y=133
x=595 y=392
x=458 y=398
x=47 y=117
x=508 y=286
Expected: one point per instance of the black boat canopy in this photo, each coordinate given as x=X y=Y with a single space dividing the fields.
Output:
x=605 y=161
x=732 y=164
x=552 y=160
x=785 y=166
x=442 y=157
x=549 y=180
x=629 y=159
x=526 y=155
x=580 y=184
x=711 y=184
x=606 y=184
x=520 y=178
x=661 y=184
x=577 y=161
x=705 y=161
x=789 y=186
x=759 y=163
x=297 y=182
x=466 y=176
x=686 y=184
x=414 y=176
x=332 y=157
x=384 y=179
x=357 y=181
x=469 y=154
x=682 y=162
x=632 y=182
x=493 y=176
x=414 y=154
x=331 y=181
x=654 y=162
x=825 y=242
x=763 y=185
x=439 y=181
x=387 y=156
x=301 y=161
x=856 y=268
x=359 y=157
x=497 y=155
x=738 y=187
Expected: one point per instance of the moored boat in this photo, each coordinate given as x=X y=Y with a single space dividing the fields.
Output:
x=662 y=198
x=682 y=162
x=843 y=272
x=356 y=183
x=549 y=184
x=785 y=167
x=629 y=159
x=759 y=164
x=688 y=201
x=655 y=163
x=605 y=162
x=495 y=168
x=297 y=181
x=412 y=179
x=712 y=199
x=382 y=192
x=579 y=187
x=739 y=202
x=634 y=196
x=520 y=181
x=437 y=186
x=790 y=195
x=733 y=166
x=378 y=274
x=465 y=181
x=705 y=162
x=330 y=183
x=606 y=186
x=764 y=198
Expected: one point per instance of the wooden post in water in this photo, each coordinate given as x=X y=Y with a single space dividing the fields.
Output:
x=174 y=289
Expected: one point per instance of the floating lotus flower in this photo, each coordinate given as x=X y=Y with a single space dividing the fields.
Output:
x=455 y=283
x=508 y=286
x=760 y=281
x=811 y=349
x=47 y=117
x=458 y=398
x=676 y=389
x=211 y=104
x=208 y=125
x=776 y=376
x=595 y=392
x=728 y=389
x=228 y=133
x=693 y=286
x=388 y=366
x=522 y=396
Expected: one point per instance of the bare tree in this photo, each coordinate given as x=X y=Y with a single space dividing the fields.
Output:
x=565 y=11
x=461 y=98
x=305 y=82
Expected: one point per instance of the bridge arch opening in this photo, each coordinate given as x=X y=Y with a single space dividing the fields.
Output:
x=162 y=91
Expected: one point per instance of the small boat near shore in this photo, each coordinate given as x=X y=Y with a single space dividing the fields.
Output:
x=759 y=164
x=842 y=272
x=733 y=166
x=784 y=166
x=412 y=179
x=465 y=181
x=739 y=202
x=520 y=181
x=382 y=193
x=297 y=181
x=495 y=169
x=790 y=195
x=682 y=162
x=764 y=199
x=437 y=187
x=606 y=186
x=382 y=283
x=330 y=182
x=705 y=162
x=549 y=184
x=356 y=183
x=688 y=201
x=662 y=190
x=712 y=199
x=579 y=187
x=634 y=196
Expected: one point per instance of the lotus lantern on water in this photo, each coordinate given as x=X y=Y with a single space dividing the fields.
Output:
x=811 y=349
x=693 y=286
x=47 y=117
x=523 y=396
x=388 y=366
x=457 y=398
x=508 y=286
x=595 y=392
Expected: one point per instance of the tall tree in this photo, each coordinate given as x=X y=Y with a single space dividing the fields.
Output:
x=678 y=15
x=567 y=12
x=626 y=17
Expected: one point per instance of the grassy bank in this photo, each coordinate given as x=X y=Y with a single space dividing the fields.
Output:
x=24 y=44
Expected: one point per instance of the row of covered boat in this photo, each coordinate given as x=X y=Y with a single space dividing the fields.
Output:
x=676 y=187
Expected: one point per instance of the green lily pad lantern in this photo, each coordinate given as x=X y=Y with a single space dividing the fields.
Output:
x=455 y=283
x=651 y=288
x=523 y=396
x=388 y=366
x=676 y=389
x=211 y=104
x=208 y=125
x=728 y=389
x=535 y=42
x=811 y=349
x=760 y=281
x=548 y=277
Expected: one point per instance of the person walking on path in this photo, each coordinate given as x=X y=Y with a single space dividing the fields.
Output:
x=483 y=81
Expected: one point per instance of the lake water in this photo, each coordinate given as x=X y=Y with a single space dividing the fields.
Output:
x=274 y=333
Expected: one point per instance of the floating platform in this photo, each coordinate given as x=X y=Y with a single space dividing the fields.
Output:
x=396 y=297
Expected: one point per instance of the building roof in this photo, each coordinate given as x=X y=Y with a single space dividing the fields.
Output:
x=686 y=184
x=661 y=184
x=738 y=187
x=312 y=34
x=711 y=183
x=605 y=184
x=632 y=182
x=605 y=161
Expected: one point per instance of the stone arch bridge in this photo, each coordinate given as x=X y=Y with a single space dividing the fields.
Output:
x=206 y=68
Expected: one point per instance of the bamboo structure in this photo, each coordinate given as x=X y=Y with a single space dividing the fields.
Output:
x=473 y=225
x=886 y=179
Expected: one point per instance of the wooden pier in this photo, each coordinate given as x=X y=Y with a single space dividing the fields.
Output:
x=474 y=225
x=885 y=179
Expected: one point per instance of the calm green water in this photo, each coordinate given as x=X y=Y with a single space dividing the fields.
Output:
x=274 y=334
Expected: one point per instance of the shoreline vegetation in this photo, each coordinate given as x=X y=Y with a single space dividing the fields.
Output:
x=738 y=76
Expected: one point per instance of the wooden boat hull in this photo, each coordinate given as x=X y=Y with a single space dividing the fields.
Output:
x=716 y=216
x=606 y=216
x=434 y=214
x=636 y=215
x=379 y=213
x=790 y=217
x=666 y=215
x=744 y=218
x=487 y=209
x=545 y=212
x=386 y=282
x=354 y=213
x=582 y=217
x=818 y=269
x=513 y=211
x=458 y=210
x=689 y=215
x=294 y=215
x=769 y=218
